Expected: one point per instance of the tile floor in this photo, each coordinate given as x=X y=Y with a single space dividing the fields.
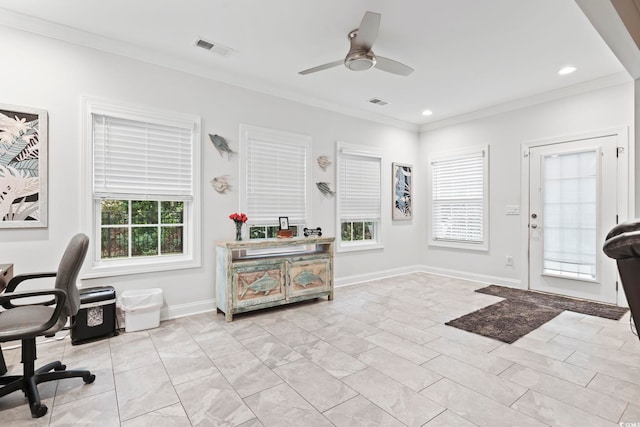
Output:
x=379 y=354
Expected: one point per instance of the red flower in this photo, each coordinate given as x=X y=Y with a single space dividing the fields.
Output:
x=238 y=217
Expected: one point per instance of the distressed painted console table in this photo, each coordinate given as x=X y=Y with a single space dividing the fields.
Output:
x=255 y=274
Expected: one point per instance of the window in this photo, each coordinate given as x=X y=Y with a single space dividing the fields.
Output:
x=274 y=167
x=142 y=189
x=459 y=195
x=359 y=192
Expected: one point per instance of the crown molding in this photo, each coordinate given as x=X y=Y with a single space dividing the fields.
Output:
x=580 y=88
x=83 y=38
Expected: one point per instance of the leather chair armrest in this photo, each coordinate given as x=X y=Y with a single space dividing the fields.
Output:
x=16 y=280
x=624 y=227
x=59 y=295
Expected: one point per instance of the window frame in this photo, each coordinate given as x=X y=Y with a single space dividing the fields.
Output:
x=91 y=210
x=273 y=135
x=364 y=245
x=444 y=155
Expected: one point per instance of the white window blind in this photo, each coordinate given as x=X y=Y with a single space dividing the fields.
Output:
x=570 y=214
x=359 y=186
x=140 y=159
x=276 y=181
x=458 y=198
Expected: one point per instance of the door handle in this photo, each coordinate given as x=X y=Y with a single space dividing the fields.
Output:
x=534 y=225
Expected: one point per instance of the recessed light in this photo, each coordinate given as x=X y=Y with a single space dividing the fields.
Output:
x=567 y=70
x=427 y=112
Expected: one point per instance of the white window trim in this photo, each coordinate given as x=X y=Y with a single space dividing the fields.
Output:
x=484 y=246
x=364 y=245
x=91 y=216
x=274 y=135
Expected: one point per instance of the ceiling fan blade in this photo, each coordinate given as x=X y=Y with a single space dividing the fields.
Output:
x=322 y=67
x=391 y=66
x=368 y=30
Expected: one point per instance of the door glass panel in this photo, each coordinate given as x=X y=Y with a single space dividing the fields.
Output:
x=569 y=215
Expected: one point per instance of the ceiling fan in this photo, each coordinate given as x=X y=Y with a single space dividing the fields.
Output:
x=360 y=56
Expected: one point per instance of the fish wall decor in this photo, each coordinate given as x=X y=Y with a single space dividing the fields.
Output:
x=221 y=184
x=325 y=189
x=323 y=162
x=221 y=145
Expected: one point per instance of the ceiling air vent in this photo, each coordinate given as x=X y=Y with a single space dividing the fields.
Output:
x=378 y=101
x=214 y=47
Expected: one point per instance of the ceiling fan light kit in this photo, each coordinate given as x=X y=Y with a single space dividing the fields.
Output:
x=360 y=56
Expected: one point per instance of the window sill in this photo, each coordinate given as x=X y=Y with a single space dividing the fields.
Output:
x=355 y=247
x=481 y=247
x=121 y=268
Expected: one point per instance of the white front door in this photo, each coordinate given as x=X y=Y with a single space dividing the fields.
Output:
x=573 y=202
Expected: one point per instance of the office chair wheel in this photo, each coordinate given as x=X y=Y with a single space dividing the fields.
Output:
x=60 y=368
x=88 y=379
x=38 y=410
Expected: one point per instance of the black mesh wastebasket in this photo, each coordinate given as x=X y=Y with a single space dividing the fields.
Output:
x=96 y=317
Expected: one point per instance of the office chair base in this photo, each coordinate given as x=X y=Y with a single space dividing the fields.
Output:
x=28 y=382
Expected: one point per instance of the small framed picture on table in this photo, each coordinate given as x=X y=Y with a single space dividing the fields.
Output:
x=284 y=222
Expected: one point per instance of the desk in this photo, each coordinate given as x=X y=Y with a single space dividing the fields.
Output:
x=6 y=273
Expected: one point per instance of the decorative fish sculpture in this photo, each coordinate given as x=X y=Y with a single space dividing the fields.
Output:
x=325 y=189
x=221 y=145
x=221 y=184
x=264 y=284
x=323 y=162
x=306 y=278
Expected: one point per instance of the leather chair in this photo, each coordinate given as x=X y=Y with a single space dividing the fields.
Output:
x=29 y=320
x=623 y=245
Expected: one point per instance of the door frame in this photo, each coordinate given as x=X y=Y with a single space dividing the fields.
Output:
x=625 y=189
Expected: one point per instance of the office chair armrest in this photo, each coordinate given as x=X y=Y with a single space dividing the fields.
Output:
x=16 y=280
x=60 y=296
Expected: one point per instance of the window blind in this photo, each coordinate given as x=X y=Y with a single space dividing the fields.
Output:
x=458 y=198
x=570 y=214
x=359 y=186
x=142 y=160
x=276 y=181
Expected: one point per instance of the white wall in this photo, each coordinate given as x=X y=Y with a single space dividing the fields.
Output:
x=603 y=109
x=53 y=75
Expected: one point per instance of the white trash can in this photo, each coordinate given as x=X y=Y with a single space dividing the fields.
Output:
x=141 y=308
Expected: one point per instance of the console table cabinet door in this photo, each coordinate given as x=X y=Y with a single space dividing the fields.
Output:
x=258 y=283
x=309 y=277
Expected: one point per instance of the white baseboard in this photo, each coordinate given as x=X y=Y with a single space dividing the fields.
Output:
x=188 y=309
x=483 y=278
x=376 y=275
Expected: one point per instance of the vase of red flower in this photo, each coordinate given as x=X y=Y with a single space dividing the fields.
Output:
x=239 y=219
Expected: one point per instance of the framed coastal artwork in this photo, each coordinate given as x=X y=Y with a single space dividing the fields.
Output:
x=402 y=191
x=23 y=167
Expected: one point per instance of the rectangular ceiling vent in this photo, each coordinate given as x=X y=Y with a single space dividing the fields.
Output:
x=378 y=101
x=214 y=47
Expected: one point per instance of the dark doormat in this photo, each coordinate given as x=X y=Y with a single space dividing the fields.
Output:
x=523 y=311
x=591 y=308
x=506 y=320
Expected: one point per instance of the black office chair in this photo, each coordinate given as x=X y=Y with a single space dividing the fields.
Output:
x=623 y=245
x=27 y=321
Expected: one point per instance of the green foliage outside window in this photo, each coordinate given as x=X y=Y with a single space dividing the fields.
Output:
x=353 y=231
x=141 y=228
x=268 y=231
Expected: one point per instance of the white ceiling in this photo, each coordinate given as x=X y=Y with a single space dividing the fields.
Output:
x=468 y=55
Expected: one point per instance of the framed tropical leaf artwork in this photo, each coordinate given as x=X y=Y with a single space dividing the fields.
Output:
x=402 y=191
x=23 y=167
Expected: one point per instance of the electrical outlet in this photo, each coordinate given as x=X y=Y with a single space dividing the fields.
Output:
x=508 y=260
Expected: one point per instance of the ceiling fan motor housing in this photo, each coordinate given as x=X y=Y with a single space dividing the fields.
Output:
x=360 y=61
